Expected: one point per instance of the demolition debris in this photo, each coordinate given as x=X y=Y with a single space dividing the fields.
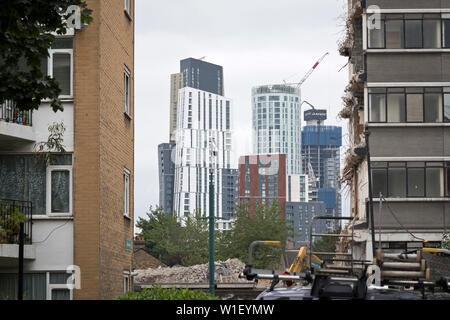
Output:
x=194 y=274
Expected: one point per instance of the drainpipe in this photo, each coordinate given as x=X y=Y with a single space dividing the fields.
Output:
x=372 y=220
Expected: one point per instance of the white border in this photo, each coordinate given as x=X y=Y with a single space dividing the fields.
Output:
x=49 y=190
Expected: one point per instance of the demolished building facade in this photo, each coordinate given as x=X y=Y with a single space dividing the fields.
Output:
x=399 y=94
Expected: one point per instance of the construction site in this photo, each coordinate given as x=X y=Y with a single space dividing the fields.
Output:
x=395 y=243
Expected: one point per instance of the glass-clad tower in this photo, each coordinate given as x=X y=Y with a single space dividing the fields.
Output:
x=276 y=123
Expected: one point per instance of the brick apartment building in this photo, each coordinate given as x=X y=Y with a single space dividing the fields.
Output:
x=80 y=206
x=262 y=180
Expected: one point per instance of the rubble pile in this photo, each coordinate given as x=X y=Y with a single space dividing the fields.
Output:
x=194 y=274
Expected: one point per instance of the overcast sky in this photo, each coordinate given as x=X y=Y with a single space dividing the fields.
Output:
x=256 y=41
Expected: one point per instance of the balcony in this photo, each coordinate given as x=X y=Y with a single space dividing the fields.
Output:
x=11 y=213
x=9 y=113
x=15 y=126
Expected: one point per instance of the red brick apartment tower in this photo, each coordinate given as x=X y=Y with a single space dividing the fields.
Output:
x=104 y=149
x=256 y=187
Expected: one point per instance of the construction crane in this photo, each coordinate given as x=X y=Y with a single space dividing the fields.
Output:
x=306 y=76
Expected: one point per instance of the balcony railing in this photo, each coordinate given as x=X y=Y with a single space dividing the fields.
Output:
x=9 y=113
x=11 y=213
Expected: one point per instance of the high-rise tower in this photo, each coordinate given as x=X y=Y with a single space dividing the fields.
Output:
x=276 y=123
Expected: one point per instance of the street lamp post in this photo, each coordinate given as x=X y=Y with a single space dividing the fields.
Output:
x=211 y=216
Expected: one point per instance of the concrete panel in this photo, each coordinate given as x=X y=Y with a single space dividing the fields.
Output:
x=410 y=142
x=412 y=4
x=412 y=215
x=405 y=67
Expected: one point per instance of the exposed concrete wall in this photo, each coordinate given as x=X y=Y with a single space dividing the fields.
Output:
x=408 y=67
x=410 y=142
x=419 y=4
x=413 y=215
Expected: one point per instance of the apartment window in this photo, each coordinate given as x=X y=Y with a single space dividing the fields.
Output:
x=395 y=107
x=126 y=193
x=431 y=34
x=376 y=37
x=396 y=181
x=399 y=105
x=126 y=90
x=433 y=107
x=446 y=33
x=410 y=31
x=394 y=34
x=377 y=106
x=414 y=111
x=446 y=104
x=411 y=179
x=126 y=281
x=416 y=179
x=413 y=34
x=60 y=65
x=59 y=190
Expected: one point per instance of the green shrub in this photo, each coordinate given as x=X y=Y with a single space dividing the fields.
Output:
x=158 y=293
x=446 y=241
x=10 y=218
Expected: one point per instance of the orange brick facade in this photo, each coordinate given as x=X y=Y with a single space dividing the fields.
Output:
x=273 y=165
x=103 y=149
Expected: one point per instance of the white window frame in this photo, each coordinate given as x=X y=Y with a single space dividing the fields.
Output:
x=50 y=68
x=50 y=169
x=126 y=193
x=126 y=281
x=51 y=287
x=126 y=91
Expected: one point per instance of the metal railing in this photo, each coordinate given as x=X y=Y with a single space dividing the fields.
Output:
x=11 y=213
x=9 y=113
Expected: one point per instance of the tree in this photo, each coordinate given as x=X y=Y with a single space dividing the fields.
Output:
x=166 y=239
x=161 y=233
x=26 y=28
x=262 y=223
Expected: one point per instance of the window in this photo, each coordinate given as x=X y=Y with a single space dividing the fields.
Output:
x=377 y=106
x=416 y=180
x=447 y=105
x=379 y=182
x=410 y=179
x=59 y=65
x=58 y=288
x=435 y=182
x=396 y=107
x=394 y=34
x=126 y=193
x=433 y=107
x=414 y=111
x=126 y=281
x=396 y=182
x=431 y=34
x=126 y=90
x=446 y=33
x=376 y=37
x=59 y=190
x=410 y=31
x=413 y=34
x=414 y=105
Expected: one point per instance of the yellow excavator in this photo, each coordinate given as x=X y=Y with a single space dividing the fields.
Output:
x=302 y=260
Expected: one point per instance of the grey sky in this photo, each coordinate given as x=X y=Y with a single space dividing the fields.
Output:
x=256 y=41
